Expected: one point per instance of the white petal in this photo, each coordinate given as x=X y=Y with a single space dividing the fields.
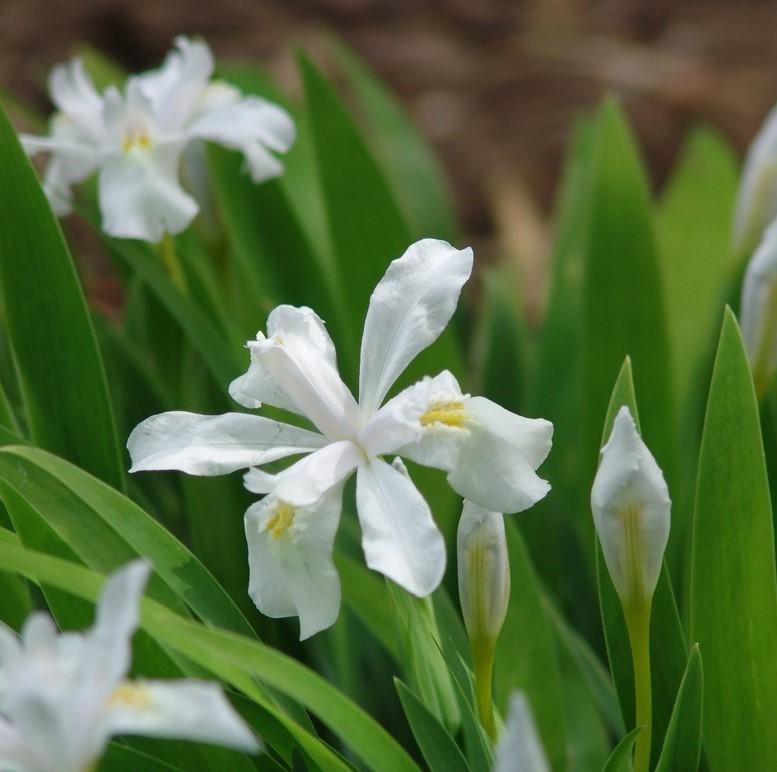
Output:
x=252 y=125
x=290 y=560
x=176 y=88
x=14 y=756
x=185 y=710
x=74 y=94
x=759 y=294
x=757 y=199
x=408 y=310
x=39 y=633
x=141 y=196
x=10 y=647
x=257 y=386
x=211 y=445
x=304 y=482
x=631 y=506
x=399 y=536
x=300 y=357
x=519 y=748
x=397 y=423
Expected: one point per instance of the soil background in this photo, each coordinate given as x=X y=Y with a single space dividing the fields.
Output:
x=494 y=85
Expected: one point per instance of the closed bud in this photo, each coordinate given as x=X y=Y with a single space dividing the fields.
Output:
x=484 y=572
x=520 y=748
x=631 y=506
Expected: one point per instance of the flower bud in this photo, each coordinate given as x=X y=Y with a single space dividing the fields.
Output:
x=484 y=572
x=631 y=505
x=757 y=200
x=520 y=748
x=758 y=310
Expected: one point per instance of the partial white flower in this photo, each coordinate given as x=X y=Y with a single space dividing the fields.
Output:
x=490 y=454
x=520 y=748
x=756 y=203
x=631 y=509
x=758 y=310
x=136 y=139
x=484 y=573
x=63 y=696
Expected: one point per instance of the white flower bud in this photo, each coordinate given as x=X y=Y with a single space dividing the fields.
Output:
x=520 y=748
x=484 y=572
x=758 y=311
x=631 y=506
x=757 y=200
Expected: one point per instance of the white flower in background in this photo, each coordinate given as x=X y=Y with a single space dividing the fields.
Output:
x=484 y=573
x=756 y=203
x=489 y=453
x=758 y=311
x=519 y=748
x=63 y=696
x=631 y=506
x=135 y=139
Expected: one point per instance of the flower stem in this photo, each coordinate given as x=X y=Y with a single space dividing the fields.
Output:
x=483 y=659
x=638 y=624
x=171 y=263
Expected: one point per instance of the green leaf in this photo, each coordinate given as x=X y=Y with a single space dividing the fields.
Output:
x=693 y=227
x=682 y=746
x=437 y=746
x=620 y=758
x=667 y=640
x=60 y=371
x=733 y=594
x=525 y=652
x=121 y=758
x=237 y=660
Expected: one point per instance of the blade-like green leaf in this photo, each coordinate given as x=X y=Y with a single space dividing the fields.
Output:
x=667 y=640
x=54 y=345
x=437 y=746
x=682 y=745
x=733 y=592
x=620 y=758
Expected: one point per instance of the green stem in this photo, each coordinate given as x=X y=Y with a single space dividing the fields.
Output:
x=763 y=357
x=483 y=659
x=171 y=263
x=638 y=624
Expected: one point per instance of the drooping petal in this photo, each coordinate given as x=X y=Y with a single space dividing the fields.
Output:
x=399 y=536
x=182 y=710
x=409 y=308
x=141 y=196
x=251 y=125
x=290 y=560
x=631 y=509
x=212 y=445
x=756 y=203
x=14 y=755
x=519 y=748
x=300 y=357
x=304 y=482
x=176 y=88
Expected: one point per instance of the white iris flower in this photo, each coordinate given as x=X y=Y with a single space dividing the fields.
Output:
x=136 y=139
x=520 y=748
x=63 y=696
x=489 y=453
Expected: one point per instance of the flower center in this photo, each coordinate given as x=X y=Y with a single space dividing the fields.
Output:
x=132 y=695
x=445 y=413
x=281 y=520
x=136 y=138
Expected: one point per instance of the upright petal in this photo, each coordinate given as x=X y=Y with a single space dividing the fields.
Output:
x=141 y=196
x=182 y=710
x=303 y=483
x=257 y=386
x=176 y=88
x=74 y=94
x=631 y=509
x=408 y=310
x=290 y=560
x=299 y=356
x=251 y=125
x=520 y=748
x=212 y=445
x=399 y=536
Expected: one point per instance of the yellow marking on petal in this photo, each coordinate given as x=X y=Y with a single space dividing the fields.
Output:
x=281 y=520
x=136 y=138
x=446 y=413
x=131 y=695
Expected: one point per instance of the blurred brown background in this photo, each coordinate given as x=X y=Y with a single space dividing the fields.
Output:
x=494 y=85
